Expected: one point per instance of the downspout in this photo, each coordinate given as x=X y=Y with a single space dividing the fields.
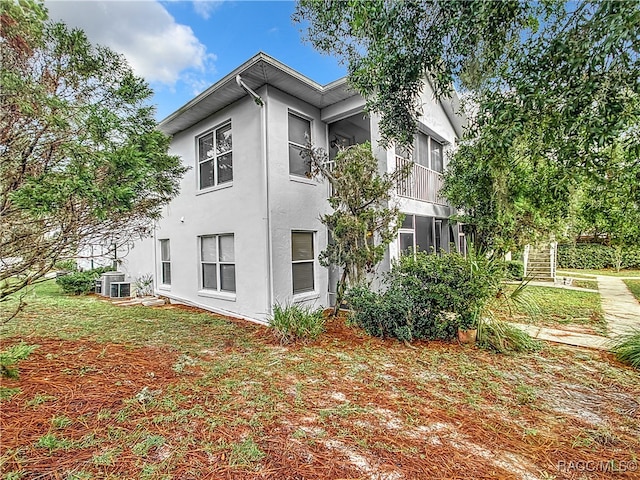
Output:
x=265 y=161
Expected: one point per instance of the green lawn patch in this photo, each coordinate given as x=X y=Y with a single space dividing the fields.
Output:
x=611 y=272
x=634 y=287
x=558 y=308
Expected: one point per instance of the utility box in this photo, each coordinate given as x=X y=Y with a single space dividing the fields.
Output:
x=106 y=279
x=120 y=289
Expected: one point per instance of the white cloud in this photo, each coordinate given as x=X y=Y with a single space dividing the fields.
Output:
x=204 y=8
x=157 y=48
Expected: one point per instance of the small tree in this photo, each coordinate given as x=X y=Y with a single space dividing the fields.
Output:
x=81 y=160
x=362 y=223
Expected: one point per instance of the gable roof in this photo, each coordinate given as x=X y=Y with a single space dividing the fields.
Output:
x=263 y=69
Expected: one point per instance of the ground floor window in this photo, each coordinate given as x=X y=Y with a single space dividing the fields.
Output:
x=165 y=261
x=302 y=260
x=217 y=263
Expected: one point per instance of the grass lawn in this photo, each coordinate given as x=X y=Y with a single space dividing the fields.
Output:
x=634 y=287
x=558 y=308
x=172 y=392
x=607 y=271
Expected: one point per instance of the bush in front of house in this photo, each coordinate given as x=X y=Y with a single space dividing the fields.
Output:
x=428 y=296
x=514 y=269
x=596 y=256
x=80 y=283
x=291 y=323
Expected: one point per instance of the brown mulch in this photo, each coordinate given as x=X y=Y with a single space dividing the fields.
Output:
x=101 y=387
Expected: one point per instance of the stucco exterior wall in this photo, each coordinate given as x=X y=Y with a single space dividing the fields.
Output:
x=296 y=202
x=237 y=208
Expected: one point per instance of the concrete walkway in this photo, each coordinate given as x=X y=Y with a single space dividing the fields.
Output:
x=621 y=311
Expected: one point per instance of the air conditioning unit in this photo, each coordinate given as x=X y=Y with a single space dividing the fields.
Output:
x=120 y=289
x=107 y=278
x=98 y=287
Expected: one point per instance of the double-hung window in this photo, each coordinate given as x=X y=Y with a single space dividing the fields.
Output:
x=165 y=262
x=215 y=157
x=302 y=259
x=299 y=136
x=217 y=263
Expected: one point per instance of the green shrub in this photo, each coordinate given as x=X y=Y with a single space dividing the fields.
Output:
x=502 y=338
x=514 y=270
x=428 y=296
x=79 y=283
x=11 y=356
x=627 y=349
x=595 y=256
x=296 y=322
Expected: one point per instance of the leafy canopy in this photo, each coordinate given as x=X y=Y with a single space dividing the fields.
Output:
x=550 y=89
x=81 y=161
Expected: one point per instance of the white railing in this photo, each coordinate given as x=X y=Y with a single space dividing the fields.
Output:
x=421 y=183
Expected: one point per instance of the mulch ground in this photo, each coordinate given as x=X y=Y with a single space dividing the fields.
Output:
x=101 y=387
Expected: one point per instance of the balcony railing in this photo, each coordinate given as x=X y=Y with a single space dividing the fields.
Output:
x=421 y=183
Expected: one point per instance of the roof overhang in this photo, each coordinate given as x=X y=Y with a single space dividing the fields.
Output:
x=263 y=69
x=256 y=72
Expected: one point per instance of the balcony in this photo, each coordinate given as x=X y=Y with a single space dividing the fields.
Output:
x=421 y=184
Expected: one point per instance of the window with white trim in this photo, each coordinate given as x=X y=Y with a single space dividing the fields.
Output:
x=217 y=263
x=165 y=262
x=299 y=136
x=302 y=259
x=215 y=157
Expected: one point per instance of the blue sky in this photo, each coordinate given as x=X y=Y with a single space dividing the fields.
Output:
x=183 y=47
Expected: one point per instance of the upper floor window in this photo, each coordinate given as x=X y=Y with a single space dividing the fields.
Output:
x=165 y=262
x=299 y=136
x=427 y=152
x=215 y=158
x=217 y=263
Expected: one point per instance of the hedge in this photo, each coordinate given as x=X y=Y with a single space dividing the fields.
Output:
x=595 y=256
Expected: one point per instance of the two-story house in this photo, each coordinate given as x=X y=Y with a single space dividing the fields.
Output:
x=244 y=233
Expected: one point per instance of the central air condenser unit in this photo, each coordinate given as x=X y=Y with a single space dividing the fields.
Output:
x=107 y=278
x=120 y=289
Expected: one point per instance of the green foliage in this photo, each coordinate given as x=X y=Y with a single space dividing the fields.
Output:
x=11 y=356
x=389 y=46
x=596 y=256
x=362 y=223
x=428 y=296
x=80 y=283
x=245 y=453
x=514 y=270
x=503 y=338
x=295 y=322
x=627 y=349
x=82 y=161
x=551 y=94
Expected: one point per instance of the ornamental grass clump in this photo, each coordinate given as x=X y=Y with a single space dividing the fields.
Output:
x=627 y=348
x=292 y=323
x=503 y=338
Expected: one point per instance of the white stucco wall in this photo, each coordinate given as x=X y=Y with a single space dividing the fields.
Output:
x=237 y=208
x=296 y=202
